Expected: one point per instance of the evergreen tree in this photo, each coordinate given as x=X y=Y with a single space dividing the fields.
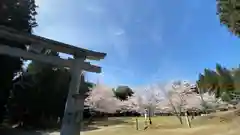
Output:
x=123 y=92
x=38 y=97
x=226 y=82
x=228 y=12
x=20 y=15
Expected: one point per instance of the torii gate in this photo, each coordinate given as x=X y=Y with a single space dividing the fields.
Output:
x=71 y=123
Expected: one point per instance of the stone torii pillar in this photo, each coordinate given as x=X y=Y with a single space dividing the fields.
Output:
x=71 y=123
x=73 y=115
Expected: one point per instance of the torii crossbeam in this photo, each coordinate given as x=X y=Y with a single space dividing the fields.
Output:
x=71 y=123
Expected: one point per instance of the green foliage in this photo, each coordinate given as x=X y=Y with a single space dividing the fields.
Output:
x=228 y=12
x=208 y=82
x=211 y=81
x=20 y=15
x=226 y=96
x=37 y=66
x=39 y=95
x=123 y=92
x=221 y=82
x=225 y=80
x=236 y=79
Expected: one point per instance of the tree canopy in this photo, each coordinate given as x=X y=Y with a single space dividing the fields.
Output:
x=123 y=92
x=20 y=15
x=228 y=12
x=222 y=82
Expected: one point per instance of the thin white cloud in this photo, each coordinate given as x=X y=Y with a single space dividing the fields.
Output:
x=119 y=41
x=81 y=28
x=120 y=32
x=94 y=25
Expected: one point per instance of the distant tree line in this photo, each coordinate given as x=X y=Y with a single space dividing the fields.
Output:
x=223 y=82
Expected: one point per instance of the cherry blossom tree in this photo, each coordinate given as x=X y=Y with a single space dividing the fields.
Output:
x=173 y=100
x=144 y=101
x=133 y=103
x=177 y=97
x=101 y=98
x=180 y=97
x=152 y=97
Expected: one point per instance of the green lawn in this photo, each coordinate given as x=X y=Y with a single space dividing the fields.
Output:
x=224 y=123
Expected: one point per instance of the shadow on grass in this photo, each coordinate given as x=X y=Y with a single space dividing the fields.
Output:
x=99 y=123
x=12 y=131
x=109 y=122
x=94 y=125
x=89 y=128
x=18 y=131
x=166 y=126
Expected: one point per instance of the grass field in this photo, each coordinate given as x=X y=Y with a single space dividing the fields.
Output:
x=222 y=123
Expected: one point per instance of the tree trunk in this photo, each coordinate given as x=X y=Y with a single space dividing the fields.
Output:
x=178 y=115
x=187 y=120
x=90 y=119
x=180 y=118
x=136 y=123
x=150 y=120
x=149 y=116
x=193 y=114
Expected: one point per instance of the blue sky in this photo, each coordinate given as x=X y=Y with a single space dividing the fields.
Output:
x=146 y=41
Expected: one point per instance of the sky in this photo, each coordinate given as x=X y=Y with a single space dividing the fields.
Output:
x=146 y=41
